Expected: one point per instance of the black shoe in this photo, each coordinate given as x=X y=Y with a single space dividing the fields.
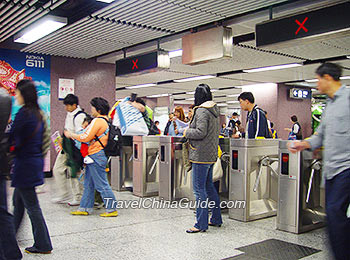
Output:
x=33 y=250
x=194 y=231
x=214 y=225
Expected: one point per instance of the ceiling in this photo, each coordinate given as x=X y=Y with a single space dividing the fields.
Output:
x=100 y=31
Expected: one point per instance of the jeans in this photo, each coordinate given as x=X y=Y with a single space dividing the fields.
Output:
x=337 y=203
x=204 y=191
x=96 y=178
x=26 y=198
x=8 y=244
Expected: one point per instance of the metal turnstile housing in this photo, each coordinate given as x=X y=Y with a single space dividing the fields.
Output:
x=122 y=167
x=294 y=214
x=145 y=165
x=174 y=180
x=245 y=158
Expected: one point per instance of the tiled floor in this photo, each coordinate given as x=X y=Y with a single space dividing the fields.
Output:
x=152 y=234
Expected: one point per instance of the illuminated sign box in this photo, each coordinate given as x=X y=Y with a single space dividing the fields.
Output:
x=326 y=20
x=143 y=63
x=298 y=93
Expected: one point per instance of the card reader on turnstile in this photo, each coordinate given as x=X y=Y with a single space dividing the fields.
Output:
x=301 y=199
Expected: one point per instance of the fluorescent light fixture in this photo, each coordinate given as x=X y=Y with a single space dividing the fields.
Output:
x=141 y=86
x=105 y=1
x=311 y=80
x=313 y=90
x=277 y=67
x=194 y=78
x=176 y=53
x=232 y=101
x=222 y=105
x=348 y=56
x=40 y=28
x=190 y=93
x=345 y=77
x=158 y=95
x=190 y=99
x=214 y=90
x=235 y=95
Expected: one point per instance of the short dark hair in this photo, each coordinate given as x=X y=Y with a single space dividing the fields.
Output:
x=140 y=100
x=294 y=118
x=247 y=96
x=71 y=99
x=101 y=105
x=271 y=124
x=87 y=119
x=202 y=94
x=156 y=122
x=234 y=114
x=332 y=69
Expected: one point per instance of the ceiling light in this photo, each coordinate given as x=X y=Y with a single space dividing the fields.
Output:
x=214 y=90
x=194 y=78
x=158 y=95
x=190 y=99
x=232 y=101
x=277 y=67
x=235 y=95
x=313 y=90
x=141 y=86
x=190 y=93
x=345 y=77
x=40 y=28
x=348 y=57
x=222 y=105
x=105 y=1
x=311 y=80
x=176 y=53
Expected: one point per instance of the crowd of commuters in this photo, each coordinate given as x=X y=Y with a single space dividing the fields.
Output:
x=89 y=135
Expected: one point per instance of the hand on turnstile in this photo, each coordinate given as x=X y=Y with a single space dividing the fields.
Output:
x=297 y=146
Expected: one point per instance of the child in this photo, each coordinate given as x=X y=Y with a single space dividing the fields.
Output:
x=83 y=147
x=274 y=132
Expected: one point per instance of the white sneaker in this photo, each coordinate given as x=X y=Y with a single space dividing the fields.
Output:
x=88 y=160
x=60 y=201
x=74 y=203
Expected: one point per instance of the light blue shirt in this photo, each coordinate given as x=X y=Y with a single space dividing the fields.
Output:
x=334 y=134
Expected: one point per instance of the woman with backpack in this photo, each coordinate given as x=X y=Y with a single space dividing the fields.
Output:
x=95 y=174
x=27 y=137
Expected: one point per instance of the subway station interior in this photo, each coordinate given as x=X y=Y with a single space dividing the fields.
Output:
x=161 y=50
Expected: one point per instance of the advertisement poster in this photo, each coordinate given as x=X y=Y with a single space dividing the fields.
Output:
x=65 y=87
x=15 y=66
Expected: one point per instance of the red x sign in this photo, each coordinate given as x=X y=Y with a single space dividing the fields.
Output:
x=301 y=25
x=134 y=62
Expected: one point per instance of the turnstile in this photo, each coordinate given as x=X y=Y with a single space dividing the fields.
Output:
x=224 y=144
x=121 y=166
x=145 y=165
x=301 y=199
x=175 y=181
x=253 y=178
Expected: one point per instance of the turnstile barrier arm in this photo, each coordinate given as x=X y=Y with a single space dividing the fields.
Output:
x=316 y=165
x=154 y=164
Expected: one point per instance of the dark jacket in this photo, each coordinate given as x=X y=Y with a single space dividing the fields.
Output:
x=5 y=110
x=257 y=124
x=203 y=134
x=166 y=130
x=27 y=134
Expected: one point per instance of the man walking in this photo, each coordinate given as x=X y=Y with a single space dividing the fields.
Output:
x=334 y=135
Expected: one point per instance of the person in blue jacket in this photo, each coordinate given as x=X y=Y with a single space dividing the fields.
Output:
x=257 y=126
x=27 y=137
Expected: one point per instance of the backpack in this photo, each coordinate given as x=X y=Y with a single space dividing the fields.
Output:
x=78 y=113
x=113 y=144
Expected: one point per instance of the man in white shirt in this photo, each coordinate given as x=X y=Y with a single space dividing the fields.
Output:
x=74 y=120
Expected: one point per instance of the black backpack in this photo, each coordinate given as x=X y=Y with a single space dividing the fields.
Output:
x=114 y=137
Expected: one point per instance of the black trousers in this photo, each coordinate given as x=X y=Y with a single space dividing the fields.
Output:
x=337 y=203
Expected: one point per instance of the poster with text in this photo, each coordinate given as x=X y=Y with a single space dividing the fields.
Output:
x=16 y=65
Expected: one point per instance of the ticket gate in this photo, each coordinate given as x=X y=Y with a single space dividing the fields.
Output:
x=145 y=166
x=175 y=181
x=253 y=178
x=224 y=144
x=301 y=199
x=121 y=167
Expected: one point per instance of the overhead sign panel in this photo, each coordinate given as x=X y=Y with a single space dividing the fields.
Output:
x=298 y=93
x=143 y=63
x=313 y=23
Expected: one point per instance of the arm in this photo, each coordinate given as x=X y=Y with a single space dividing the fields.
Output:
x=202 y=126
x=90 y=133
